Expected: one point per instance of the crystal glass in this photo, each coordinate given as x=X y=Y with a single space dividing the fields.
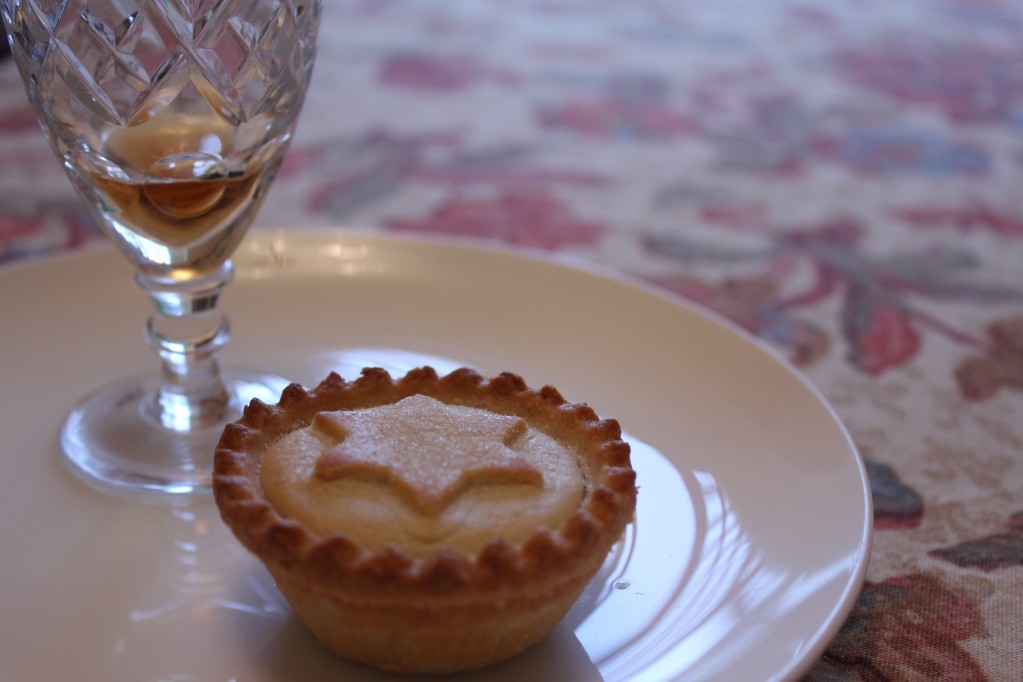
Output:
x=171 y=118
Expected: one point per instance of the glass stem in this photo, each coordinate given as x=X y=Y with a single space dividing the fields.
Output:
x=187 y=330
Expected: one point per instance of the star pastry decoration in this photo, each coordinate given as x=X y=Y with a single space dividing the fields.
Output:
x=428 y=451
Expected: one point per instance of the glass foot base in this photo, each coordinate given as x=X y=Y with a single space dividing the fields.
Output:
x=110 y=443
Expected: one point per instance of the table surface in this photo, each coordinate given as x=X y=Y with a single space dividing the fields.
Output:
x=841 y=178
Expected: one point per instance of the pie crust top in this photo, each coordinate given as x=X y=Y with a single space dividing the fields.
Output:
x=422 y=474
x=425 y=482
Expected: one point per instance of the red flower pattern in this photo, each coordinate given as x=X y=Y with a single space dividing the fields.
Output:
x=439 y=72
x=878 y=319
x=349 y=174
x=969 y=82
x=880 y=332
x=523 y=218
x=635 y=107
x=752 y=303
x=976 y=217
x=981 y=377
x=67 y=225
x=908 y=628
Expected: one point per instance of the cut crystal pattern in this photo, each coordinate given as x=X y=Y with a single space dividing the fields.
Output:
x=124 y=62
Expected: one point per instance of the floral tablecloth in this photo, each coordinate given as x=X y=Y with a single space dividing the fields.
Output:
x=843 y=178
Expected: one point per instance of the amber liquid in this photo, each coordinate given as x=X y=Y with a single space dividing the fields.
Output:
x=178 y=212
x=175 y=203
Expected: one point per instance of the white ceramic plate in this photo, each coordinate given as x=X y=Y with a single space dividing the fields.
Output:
x=753 y=526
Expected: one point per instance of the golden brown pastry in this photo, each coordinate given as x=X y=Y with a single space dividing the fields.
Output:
x=426 y=524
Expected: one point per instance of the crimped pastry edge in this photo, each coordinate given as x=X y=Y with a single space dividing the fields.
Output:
x=335 y=562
